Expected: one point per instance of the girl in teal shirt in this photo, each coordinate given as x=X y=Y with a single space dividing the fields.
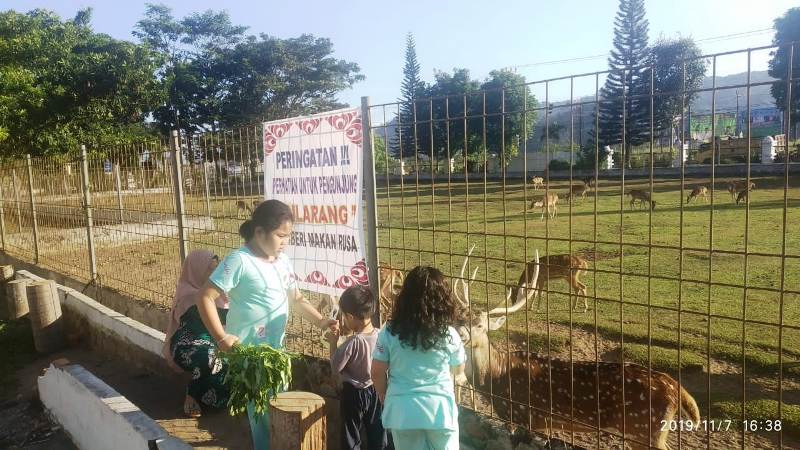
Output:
x=257 y=278
x=421 y=351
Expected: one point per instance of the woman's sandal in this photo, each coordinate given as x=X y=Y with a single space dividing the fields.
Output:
x=190 y=408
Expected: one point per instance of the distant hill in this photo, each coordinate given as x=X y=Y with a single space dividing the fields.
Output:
x=726 y=98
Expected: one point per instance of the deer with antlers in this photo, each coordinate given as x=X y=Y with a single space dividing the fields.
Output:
x=573 y=396
x=548 y=201
x=642 y=197
x=697 y=192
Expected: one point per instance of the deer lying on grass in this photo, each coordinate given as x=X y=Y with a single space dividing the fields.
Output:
x=538 y=182
x=642 y=196
x=577 y=396
x=534 y=280
x=698 y=191
x=551 y=200
x=735 y=187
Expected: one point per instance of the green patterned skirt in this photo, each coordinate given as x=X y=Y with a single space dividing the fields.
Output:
x=195 y=352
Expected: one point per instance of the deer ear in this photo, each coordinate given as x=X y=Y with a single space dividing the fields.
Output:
x=495 y=324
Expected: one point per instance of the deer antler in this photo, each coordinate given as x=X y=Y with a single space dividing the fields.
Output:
x=521 y=297
x=465 y=300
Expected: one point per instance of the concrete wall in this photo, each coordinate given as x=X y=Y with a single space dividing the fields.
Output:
x=109 y=331
x=95 y=415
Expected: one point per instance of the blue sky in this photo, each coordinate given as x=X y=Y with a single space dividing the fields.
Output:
x=477 y=35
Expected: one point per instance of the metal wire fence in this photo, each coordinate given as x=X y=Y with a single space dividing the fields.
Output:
x=701 y=283
x=685 y=268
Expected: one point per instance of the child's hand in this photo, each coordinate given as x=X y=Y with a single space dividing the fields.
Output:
x=332 y=337
x=331 y=324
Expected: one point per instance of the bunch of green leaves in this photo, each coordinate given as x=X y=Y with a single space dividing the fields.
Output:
x=256 y=373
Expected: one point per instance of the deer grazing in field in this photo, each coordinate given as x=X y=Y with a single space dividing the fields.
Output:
x=243 y=207
x=577 y=190
x=538 y=182
x=742 y=196
x=572 y=396
x=641 y=196
x=736 y=187
x=548 y=201
x=536 y=275
x=697 y=192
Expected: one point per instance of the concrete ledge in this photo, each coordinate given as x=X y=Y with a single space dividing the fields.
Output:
x=146 y=313
x=108 y=330
x=95 y=415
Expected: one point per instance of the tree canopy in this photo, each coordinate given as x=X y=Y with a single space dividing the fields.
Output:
x=62 y=85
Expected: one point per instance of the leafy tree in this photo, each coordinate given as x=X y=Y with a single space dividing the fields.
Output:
x=475 y=118
x=667 y=59
x=269 y=78
x=62 y=85
x=216 y=76
x=625 y=107
x=410 y=135
x=187 y=46
x=787 y=30
x=379 y=155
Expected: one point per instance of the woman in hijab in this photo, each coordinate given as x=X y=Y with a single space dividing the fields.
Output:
x=188 y=346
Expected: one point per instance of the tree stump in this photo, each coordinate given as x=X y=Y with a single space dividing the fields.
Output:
x=6 y=275
x=297 y=421
x=45 y=316
x=16 y=302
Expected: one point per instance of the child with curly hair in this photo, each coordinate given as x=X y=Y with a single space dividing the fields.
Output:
x=421 y=351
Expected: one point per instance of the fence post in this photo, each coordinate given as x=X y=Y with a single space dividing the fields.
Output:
x=2 y=216
x=87 y=204
x=119 y=192
x=177 y=177
x=208 y=193
x=16 y=199
x=33 y=210
x=368 y=172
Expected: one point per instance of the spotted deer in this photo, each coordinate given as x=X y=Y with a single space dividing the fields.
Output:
x=697 y=192
x=642 y=197
x=735 y=187
x=548 y=201
x=538 y=182
x=534 y=280
x=573 y=396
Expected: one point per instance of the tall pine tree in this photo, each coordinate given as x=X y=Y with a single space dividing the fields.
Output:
x=412 y=91
x=625 y=105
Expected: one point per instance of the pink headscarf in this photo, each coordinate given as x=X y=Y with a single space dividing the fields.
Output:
x=194 y=274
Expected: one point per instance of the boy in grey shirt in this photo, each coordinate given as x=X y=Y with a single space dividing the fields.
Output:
x=359 y=404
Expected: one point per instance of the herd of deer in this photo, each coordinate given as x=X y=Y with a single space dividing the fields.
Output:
x=739 y=190
x=547 y=394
